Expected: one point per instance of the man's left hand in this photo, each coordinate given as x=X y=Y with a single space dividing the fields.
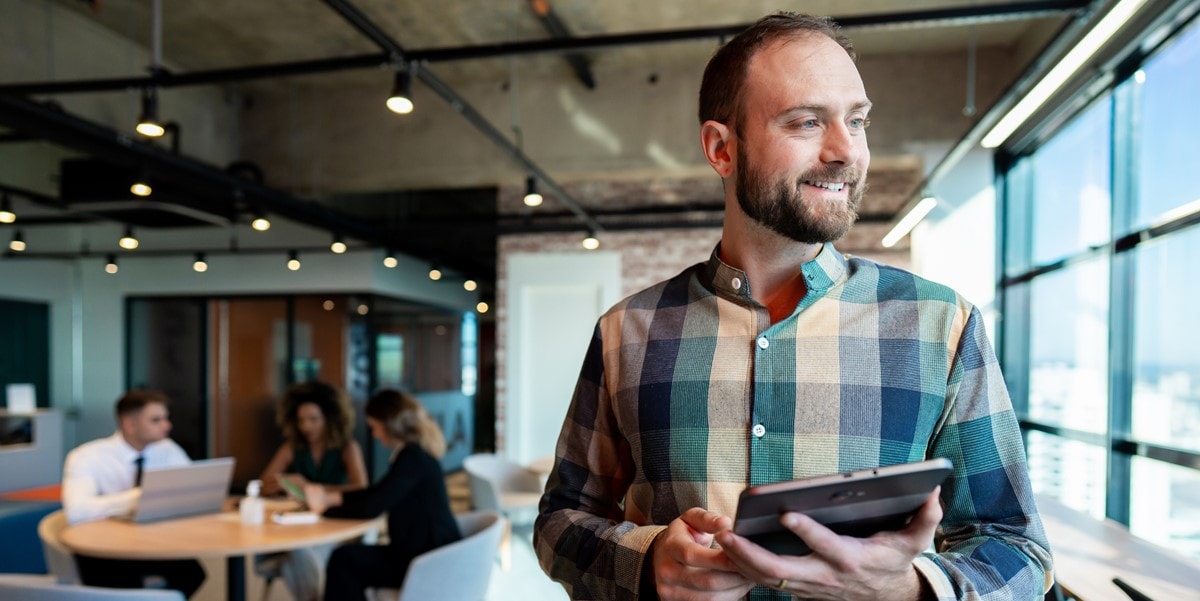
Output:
x=841 y=567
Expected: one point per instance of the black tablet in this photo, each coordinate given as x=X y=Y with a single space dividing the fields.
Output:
x=858 y=503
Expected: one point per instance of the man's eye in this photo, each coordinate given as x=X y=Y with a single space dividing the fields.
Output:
x=860 y=123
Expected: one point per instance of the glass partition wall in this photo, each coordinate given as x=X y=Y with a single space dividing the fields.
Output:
x=226 y=361
x=1100 y=339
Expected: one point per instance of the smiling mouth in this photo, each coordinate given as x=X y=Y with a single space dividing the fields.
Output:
x=831 y=186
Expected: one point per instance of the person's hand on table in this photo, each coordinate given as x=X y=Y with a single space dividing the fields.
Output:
x=319 y=499
x=841 y=567
x=686 y=566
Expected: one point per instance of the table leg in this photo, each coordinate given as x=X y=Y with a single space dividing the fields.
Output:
x=235 y=578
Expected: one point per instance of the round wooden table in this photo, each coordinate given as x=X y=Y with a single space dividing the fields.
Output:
x=213 y=535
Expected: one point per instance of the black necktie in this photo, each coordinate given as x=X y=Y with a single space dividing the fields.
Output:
x=137 y=480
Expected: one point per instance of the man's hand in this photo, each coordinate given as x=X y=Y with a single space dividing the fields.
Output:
x=841 y=567
x=687 y=568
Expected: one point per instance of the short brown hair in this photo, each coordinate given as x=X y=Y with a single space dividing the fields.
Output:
x=405 y=419
x=334 y=406
x=134 y=401
x=725 y=75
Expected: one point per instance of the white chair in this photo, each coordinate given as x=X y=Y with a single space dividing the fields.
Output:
x=59 y=559
x=460 y=570
x=498 y=484
x=23 y=587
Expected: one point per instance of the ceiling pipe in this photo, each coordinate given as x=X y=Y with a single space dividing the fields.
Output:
x=76 y=133
x=974 y=14
x=372 y=31
x=558 y=30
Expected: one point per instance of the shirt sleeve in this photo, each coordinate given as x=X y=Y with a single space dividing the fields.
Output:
x=581 y=537
x=402 y=478
x=990 y=545
x=82 y=501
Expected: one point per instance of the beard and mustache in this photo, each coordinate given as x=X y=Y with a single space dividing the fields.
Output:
x=779 y=203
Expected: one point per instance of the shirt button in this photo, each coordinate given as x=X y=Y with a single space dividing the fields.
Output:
x=736 y=283
x=759 y=430
x=762 y=343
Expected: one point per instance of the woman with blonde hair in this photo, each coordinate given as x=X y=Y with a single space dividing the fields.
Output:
x=412 y=492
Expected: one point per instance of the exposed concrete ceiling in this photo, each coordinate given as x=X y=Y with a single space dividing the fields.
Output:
x=326 y=137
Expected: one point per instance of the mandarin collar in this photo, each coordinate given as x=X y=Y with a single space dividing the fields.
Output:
x=825 y=270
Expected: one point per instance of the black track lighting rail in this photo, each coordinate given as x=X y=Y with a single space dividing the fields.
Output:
x=373 y=32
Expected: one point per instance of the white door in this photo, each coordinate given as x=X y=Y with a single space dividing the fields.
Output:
x=554 y=300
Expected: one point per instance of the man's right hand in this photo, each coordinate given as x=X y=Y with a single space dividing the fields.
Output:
x=687 y=568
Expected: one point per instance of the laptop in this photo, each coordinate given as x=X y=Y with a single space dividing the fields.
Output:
x=174 y=492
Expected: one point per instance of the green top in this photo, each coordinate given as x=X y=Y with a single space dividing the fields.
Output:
x=331 y=469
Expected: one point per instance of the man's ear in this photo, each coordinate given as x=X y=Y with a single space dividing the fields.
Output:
x=718 y=140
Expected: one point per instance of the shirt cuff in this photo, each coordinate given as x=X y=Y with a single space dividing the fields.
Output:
x=939 y=582
x=639 y=540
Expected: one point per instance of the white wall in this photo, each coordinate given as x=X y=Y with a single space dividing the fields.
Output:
x=553 y=301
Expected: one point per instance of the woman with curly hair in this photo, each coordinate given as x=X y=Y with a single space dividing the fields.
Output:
x=319 y=450
x=317 y=422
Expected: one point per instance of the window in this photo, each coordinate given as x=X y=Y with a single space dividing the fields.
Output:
x=1099 y=336
x=1070 y=193
x=1068 y=379
x=1166 y=157
x=1166 y=373
x=1166 y=505
x=1070 y=471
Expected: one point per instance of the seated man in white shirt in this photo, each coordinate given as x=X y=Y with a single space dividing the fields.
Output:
x=102 y=479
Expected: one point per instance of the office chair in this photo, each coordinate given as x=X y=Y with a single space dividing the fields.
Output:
x=23 y=587
x=59 y=559
x=498 y=484
x=459 y=571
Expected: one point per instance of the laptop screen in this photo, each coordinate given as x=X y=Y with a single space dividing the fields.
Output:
x=172 y=492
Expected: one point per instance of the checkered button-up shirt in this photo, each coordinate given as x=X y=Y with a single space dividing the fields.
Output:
x=689 y=393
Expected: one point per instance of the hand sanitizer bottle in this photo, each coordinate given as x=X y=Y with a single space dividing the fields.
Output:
x=252 y=505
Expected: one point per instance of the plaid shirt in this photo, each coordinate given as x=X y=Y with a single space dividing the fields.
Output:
x=689 y=393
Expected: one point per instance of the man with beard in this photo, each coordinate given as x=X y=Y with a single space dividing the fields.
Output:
x=779 y=358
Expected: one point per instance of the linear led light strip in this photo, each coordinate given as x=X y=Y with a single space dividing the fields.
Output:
x=910 y=221
x=1080 y=54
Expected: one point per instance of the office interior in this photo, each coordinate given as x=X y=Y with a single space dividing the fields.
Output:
x=1038 y=157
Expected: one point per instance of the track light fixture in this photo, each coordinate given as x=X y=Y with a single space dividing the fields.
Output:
x=260 y=222
x=293 y=262
x=482 y=307
x=110 y=266
x=435 y=274
x=6 y=213
x=200 y=266
x=128 y=241
x=389 y=259
x=470 y=285
x=532 y=198
x=338 y=246
x=400 y=100
x=148 y=124
x=591 y=242
x=141 y=185
x=17 y=244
